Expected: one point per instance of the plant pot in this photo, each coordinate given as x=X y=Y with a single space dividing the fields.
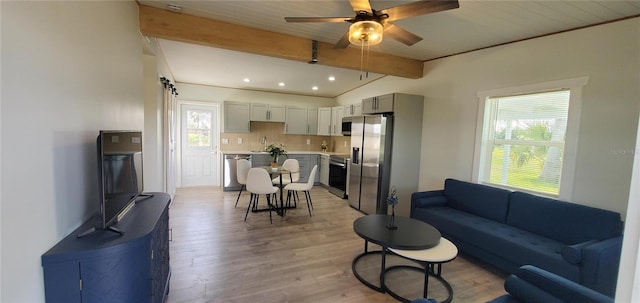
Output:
x=274 y=164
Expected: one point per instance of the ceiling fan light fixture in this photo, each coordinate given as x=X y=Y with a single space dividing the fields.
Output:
x=365 y=33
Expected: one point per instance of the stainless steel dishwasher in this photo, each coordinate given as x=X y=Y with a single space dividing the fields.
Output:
x=229 y=171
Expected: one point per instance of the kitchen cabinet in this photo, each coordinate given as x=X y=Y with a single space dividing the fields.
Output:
x=378 y=105
x=236 y=117
x=267 y=112
x=352 y=110
x=312 y=120
x=336 y=120
x=324 y=121
x=301 y=120
x=263 y=159
x=324 y=170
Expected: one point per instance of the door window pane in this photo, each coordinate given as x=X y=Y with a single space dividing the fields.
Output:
x=198 y=128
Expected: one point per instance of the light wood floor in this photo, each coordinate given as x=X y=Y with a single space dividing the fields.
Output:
x=217 y=257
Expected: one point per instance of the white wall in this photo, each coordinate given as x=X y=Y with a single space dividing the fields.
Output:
x=70 y=69
x=608 y=54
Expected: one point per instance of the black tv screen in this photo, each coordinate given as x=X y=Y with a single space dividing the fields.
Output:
x=120 y=166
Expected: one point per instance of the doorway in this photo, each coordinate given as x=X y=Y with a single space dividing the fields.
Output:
x=199 y=148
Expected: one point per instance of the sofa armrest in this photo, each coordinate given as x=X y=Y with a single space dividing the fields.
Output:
x=428 y=198
x=599 y=267
x=557 y=288
x=525 y=292
x=573 y=253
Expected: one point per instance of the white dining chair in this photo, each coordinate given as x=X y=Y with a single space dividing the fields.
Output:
x=259 y=183
x=293 y=188
x=242 y=169
x=293 y=166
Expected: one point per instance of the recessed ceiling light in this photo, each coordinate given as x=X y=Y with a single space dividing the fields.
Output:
x=247 y=80
x=281 y=84
x=314 y=88
x=332 y=78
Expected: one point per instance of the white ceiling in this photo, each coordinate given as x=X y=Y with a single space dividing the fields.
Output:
x=474 y=25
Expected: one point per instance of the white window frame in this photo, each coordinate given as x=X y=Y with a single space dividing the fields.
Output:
x=482 y=154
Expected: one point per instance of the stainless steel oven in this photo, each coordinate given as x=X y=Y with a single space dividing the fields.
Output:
x=338 y=165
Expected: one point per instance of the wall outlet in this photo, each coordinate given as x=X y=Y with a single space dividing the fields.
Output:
x=239 y=140
x=135 y=140
x=308 y=141
x=225 y=141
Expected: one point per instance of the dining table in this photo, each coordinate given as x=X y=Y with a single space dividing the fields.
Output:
x=279 y=171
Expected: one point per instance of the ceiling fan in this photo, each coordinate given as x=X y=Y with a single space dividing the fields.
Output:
x=369 y=24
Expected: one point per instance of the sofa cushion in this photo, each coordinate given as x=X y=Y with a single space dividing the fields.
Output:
x=566 y=222
x=515 y=245
x=485 y=201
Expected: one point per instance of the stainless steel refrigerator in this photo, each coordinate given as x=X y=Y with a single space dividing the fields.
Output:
x=370 y=164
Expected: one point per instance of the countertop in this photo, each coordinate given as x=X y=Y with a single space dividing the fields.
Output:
x=293 y=152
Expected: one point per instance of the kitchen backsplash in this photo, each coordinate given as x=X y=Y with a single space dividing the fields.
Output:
x=274 y=132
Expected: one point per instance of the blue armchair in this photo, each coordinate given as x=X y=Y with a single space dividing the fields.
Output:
x=533 y=285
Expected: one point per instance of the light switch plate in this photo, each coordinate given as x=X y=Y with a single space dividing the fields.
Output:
x=225 y=141
x=308 y=141
x=239 y=140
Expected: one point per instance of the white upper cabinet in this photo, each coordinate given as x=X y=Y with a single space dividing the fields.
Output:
x=301 y=120
x=296 y=120
x=353 y=110
x=236 y=117
x=336 y=120
x=312 y=120
x=324 y=121
x=376 y=105
x=267 y=112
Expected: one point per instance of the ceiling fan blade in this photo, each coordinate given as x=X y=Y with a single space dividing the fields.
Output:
x=317 y=19
x=361 y=5
x=343 y=42
x=418 y=8
x=401 y=34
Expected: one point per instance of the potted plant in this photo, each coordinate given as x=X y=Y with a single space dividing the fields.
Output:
x=276 y=150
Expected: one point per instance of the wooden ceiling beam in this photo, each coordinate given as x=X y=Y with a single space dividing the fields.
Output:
x=169 y=25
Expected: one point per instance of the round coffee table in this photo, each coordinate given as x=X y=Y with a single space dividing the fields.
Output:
x=431 y=260
x=410 y=234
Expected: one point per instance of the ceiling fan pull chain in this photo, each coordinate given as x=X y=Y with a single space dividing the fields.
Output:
x=366 y=63
x=361 y=59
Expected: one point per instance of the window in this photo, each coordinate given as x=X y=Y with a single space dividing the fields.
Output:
x=198 y=128
x=528 y=137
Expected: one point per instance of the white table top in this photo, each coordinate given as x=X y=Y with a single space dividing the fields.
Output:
x=443 y=252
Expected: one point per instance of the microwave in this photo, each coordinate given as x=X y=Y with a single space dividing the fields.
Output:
x=346 y=126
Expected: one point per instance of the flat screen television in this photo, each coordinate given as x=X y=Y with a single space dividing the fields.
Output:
x=119 y=176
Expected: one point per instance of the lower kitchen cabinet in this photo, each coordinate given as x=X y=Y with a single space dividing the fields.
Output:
x=106 y=267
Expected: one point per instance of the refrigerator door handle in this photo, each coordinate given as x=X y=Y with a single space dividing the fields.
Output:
x=355 y=155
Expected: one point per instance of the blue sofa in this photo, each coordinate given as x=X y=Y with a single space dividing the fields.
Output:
x=534 y=285
x=511 y=229
x=531 y=284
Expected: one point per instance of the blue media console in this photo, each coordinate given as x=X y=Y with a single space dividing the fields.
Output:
x=107 y=267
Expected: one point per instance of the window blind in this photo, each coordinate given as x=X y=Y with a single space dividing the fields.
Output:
x=527 y=140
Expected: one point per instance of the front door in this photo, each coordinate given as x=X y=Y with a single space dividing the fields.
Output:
x=199 y=133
